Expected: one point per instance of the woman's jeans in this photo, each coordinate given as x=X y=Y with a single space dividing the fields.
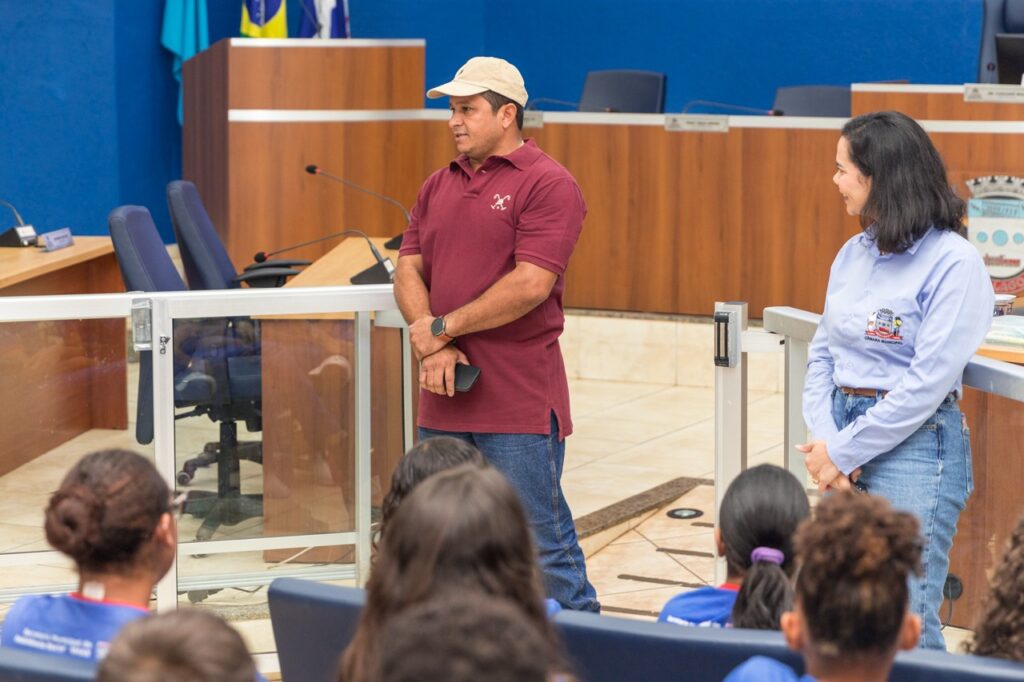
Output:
x=928 y=474
x=532 y=463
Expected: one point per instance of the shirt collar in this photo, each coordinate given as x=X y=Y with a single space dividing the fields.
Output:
x=868 y=243
x=520 y=159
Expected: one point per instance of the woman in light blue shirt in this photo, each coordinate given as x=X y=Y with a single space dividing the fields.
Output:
x=908 y=304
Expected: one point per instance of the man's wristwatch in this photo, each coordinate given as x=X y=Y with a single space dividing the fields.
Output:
x=437 y=327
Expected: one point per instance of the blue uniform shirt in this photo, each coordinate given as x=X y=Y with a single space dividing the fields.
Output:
x=66 y=625
x=907 y=323
x=764 y=669
x=703 y=607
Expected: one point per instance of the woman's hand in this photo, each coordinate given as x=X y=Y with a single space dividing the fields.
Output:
x=823 y=471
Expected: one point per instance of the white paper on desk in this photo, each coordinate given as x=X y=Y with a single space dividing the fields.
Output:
x=1007 y=330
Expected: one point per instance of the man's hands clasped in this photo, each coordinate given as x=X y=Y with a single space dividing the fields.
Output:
x=437 y=357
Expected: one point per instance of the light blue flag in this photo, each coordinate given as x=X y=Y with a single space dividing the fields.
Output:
x=185 y=34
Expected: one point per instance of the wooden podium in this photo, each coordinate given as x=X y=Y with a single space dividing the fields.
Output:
x=309 y=411
x=257 y=112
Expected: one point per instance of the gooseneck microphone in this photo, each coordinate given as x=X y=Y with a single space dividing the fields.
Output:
x=733 y=107
x=17 y=216
x=383 y=272
x=313 y=169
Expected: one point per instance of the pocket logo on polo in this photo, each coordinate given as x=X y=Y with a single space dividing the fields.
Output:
x=884 y=326
x=499 y=202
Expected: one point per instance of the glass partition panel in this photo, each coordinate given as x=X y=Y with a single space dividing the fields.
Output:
x=265 y=432
x=67 y=388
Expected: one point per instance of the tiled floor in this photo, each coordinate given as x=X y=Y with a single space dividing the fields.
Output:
x=629 y=437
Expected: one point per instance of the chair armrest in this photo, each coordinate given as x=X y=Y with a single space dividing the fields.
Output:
x=276 y=264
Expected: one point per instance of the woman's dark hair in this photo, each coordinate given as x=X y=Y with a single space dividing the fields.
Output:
x=464 y=639
x=188 y=645
x=462 y=531
x=1000 y=630
x=105 y=510
x=856 y=556
x=909 y=189
x=762 y=507
x=426 y=458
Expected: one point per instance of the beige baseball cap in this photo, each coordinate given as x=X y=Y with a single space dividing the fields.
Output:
x=481 y=74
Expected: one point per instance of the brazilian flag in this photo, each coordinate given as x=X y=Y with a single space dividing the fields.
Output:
x=264 y=19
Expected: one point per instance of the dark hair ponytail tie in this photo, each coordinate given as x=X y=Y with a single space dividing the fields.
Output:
x=768 y=554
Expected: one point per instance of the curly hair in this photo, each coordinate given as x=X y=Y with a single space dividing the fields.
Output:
x=1000 y=630
x=856 y=556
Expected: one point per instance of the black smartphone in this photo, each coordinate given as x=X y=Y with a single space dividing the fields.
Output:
x=465 y=376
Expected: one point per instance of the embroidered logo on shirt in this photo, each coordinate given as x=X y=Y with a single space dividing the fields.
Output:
x=499 y=202
x=884 y=326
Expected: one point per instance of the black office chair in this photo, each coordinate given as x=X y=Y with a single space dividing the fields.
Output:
x=1000 y=16
x=628 y=91
x=639 y=92
x=813 y=100
x=216 y=373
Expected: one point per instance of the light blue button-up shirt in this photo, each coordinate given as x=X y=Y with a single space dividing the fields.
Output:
x=906 y=323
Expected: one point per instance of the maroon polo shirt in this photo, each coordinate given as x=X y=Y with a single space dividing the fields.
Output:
x=471 y=229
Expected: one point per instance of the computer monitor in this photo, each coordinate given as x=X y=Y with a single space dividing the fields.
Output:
x=1010 y=57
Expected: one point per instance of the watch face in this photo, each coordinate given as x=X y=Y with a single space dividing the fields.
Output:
x=437 y=326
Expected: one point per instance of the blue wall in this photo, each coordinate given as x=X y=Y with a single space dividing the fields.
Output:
x=87 y=102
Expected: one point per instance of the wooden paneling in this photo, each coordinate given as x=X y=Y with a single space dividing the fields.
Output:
x=325 y=78
x=935 y=106
x=387 y=157
x=997 y=436
x=205 y=159
x=61 y=379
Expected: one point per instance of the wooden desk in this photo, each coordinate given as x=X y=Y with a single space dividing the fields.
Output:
x=997 y=439
x=677 y=220
x=60 y=378
x=309 y=410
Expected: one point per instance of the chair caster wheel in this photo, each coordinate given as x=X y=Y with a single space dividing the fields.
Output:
x=184 y=478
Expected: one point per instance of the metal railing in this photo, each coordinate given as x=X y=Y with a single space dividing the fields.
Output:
x=791 y=331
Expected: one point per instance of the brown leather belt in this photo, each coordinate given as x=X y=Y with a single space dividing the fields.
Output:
x=868 y=392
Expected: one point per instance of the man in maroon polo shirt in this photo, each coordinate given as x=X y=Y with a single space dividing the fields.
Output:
x=479 y=280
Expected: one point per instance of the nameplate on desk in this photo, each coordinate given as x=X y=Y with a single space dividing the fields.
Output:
x=991 y=92
x=533 y=119
x=58 y=239
x=696 y=123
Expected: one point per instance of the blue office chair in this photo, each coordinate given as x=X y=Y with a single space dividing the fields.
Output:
x=813 y=100
x=206 y=261
x=216 y=373
x=17 y=665
x=1000 y=16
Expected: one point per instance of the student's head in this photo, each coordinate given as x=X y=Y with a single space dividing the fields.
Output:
x=426 y=458
x=891 y=175
x=464 y=639
x=851 y=591
x=460 y=531
x=188 y=645
x=760 y=512
x=1000 y=630
x=112 y=515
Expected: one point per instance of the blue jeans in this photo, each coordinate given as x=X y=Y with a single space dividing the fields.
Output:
x=929 y=474
x=532 y=463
